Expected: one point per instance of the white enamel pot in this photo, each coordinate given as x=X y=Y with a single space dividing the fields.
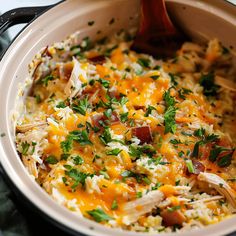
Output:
x=201 y=19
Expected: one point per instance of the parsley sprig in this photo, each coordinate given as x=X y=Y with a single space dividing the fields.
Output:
x=169 y=116
x=81 y=106
x=81 y=137
x=99 y=215
x=204 y=140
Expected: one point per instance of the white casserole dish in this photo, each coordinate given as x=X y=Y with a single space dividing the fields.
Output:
x=202 y=19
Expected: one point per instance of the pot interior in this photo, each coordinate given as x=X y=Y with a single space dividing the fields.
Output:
x=199 y=19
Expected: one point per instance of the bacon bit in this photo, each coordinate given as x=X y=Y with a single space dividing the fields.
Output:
x=101 y=117
x=171 y=218
x=137 y=107
x=198 y=168
x=224 y=142
x=113 y=93
x=143 y=133
x=114 y=118
x=100 y=59
x=205 y=151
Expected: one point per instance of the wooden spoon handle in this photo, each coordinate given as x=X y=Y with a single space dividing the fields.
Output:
x=154 y=18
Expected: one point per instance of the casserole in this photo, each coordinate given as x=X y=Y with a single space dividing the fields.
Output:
x=46 y=35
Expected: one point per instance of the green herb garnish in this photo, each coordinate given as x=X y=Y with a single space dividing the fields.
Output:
x=207 y=81
x=77 y=176
x=124 y=117
x=105 y=137
x=78 y=160
x=82 y=106
x=61 y=105
x=169 y=120
x=144 y=62
x=174 y=208
x=51 y=160
x=149 y=110
x=114 y=152
x=190 y=166
x=45 y=80
x=24 y=147
x=114 y=205
x=104 y=83
x=99 y=215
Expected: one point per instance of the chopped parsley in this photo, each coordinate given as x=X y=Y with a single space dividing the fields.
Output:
x=104 y=83
x=61 y=105
x=169 y=116
x=45 y=80
x=78 y=160
x=144 y=62
x=81 y=137
x=207 y=81
x=114 y=152
x=123 y=100
x=169 y=120
x=38 y=98
x=108 y=112
x=108 y=51
x=146 y=180
x=175 y=141
x=183 y=91
x=204 y=140
x=51 y=160
x=157 y=186
x=105 y=137
x=139 y=194
x=174 y=208
x=114 y=205
x=190 y=166
x=169 y=100
x=155 y=77
x=104 y=173
x=128 y=173
x=99 y=215
x=66 y=145
x=199 y=132
x=77 y=176
x=124 y=117
x=24 y=147
x=180 y=154
x=134 y=152
x=173 y=79
x=82 y=106
x=222 y=155
x=149 y=110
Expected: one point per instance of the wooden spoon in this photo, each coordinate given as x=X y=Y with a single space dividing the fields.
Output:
x=157 y=35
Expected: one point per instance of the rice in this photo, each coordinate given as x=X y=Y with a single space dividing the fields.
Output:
x=106 y=129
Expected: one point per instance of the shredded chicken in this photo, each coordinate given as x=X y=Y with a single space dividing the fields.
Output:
x=27 y=127
x=74 y=84
x=220 y=185
x=214 y=198
x=134 y=209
